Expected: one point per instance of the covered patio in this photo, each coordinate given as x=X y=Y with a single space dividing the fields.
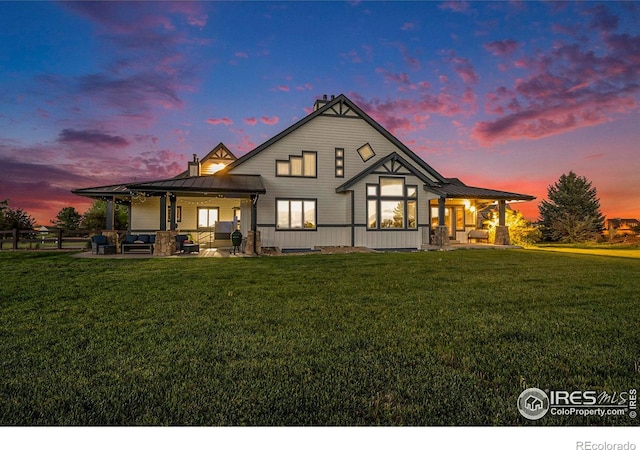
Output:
x=205 y=208
x=454 y=213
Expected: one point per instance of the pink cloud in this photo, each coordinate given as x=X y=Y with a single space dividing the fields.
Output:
x=220 y=121
x=501 y=48
x=400 y=114
x=269 y=120
x=464 y=69
x=304 y=87
x=283 y=88
x=241 y=55
x=245 y=144
x=251 y=121
x=569 y=87
x=456 y=6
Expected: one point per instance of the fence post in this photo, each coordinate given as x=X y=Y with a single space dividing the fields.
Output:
x=59 y=236
x=15 y=239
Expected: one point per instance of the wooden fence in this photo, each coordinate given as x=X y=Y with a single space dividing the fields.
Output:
x=53 y=239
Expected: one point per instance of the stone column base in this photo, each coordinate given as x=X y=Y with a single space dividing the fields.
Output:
x=502 y=236
x=253 y=243
x=442 y=236
x=165 y=243
x=112 y=237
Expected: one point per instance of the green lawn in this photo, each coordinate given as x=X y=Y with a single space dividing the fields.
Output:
x=437 y=338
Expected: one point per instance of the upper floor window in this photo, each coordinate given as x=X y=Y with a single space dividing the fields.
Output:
x=339 y=163
x=392 y=204
x=366 y=152
x=298 y=166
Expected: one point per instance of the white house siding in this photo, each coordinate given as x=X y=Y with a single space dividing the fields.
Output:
x=323 y=135
x=388 y=238
x=323 y=236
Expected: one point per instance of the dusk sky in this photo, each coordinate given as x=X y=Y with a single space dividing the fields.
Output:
x=503 y=95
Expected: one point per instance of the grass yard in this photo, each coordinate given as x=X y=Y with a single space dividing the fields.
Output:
x=437 y=338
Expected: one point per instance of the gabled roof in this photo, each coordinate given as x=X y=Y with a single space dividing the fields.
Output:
x=392 y=164
x=339 y=106
x=218 y=154
x=218 y=183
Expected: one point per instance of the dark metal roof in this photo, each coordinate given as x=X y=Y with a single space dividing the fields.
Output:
x=225 y=183
x=103 y=191
x=457 y=189
x=327 y=107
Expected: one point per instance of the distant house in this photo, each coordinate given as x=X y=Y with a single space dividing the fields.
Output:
x=334 y=178
x=622 y=226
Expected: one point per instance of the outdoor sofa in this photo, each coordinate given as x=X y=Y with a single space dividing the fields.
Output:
x=138 y=243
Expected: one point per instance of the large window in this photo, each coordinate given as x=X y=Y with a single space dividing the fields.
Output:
x=207 y=217
x=297 y=166
x=296 y=214
x=392 y=205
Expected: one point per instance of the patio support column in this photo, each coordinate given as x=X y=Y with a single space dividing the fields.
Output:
x=502 y=206
x=442 y=232
x=502 y=231
x=441 y=211
x=253 y=246
x=163 y=213
x=110 y=214
x=172 y=205
x=129 y=209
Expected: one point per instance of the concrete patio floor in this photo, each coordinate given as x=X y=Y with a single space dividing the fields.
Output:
x=221 y=252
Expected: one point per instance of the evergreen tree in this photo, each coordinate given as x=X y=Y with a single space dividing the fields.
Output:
x=572 y=211
x=67 y=219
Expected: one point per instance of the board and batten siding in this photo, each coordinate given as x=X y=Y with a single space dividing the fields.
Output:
x=323 y=135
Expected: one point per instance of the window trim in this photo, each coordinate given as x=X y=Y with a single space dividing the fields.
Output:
x=297 y=199
x=404 y=199
x=339 y=160
x=373 y=152
x=301 y=156
x=200 y=208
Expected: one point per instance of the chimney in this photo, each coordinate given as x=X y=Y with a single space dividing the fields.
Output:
x=194 y=166
x=320 y=103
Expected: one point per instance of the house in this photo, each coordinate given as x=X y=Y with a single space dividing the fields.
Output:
x=334 y=178
x=622 y=226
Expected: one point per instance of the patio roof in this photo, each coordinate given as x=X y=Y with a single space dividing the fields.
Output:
x=457 y=189
x=103 y=191
x=227 y=184
x=207 y=184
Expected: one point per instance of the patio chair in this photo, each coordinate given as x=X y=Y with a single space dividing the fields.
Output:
x=98 y=241
x=180 y=240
